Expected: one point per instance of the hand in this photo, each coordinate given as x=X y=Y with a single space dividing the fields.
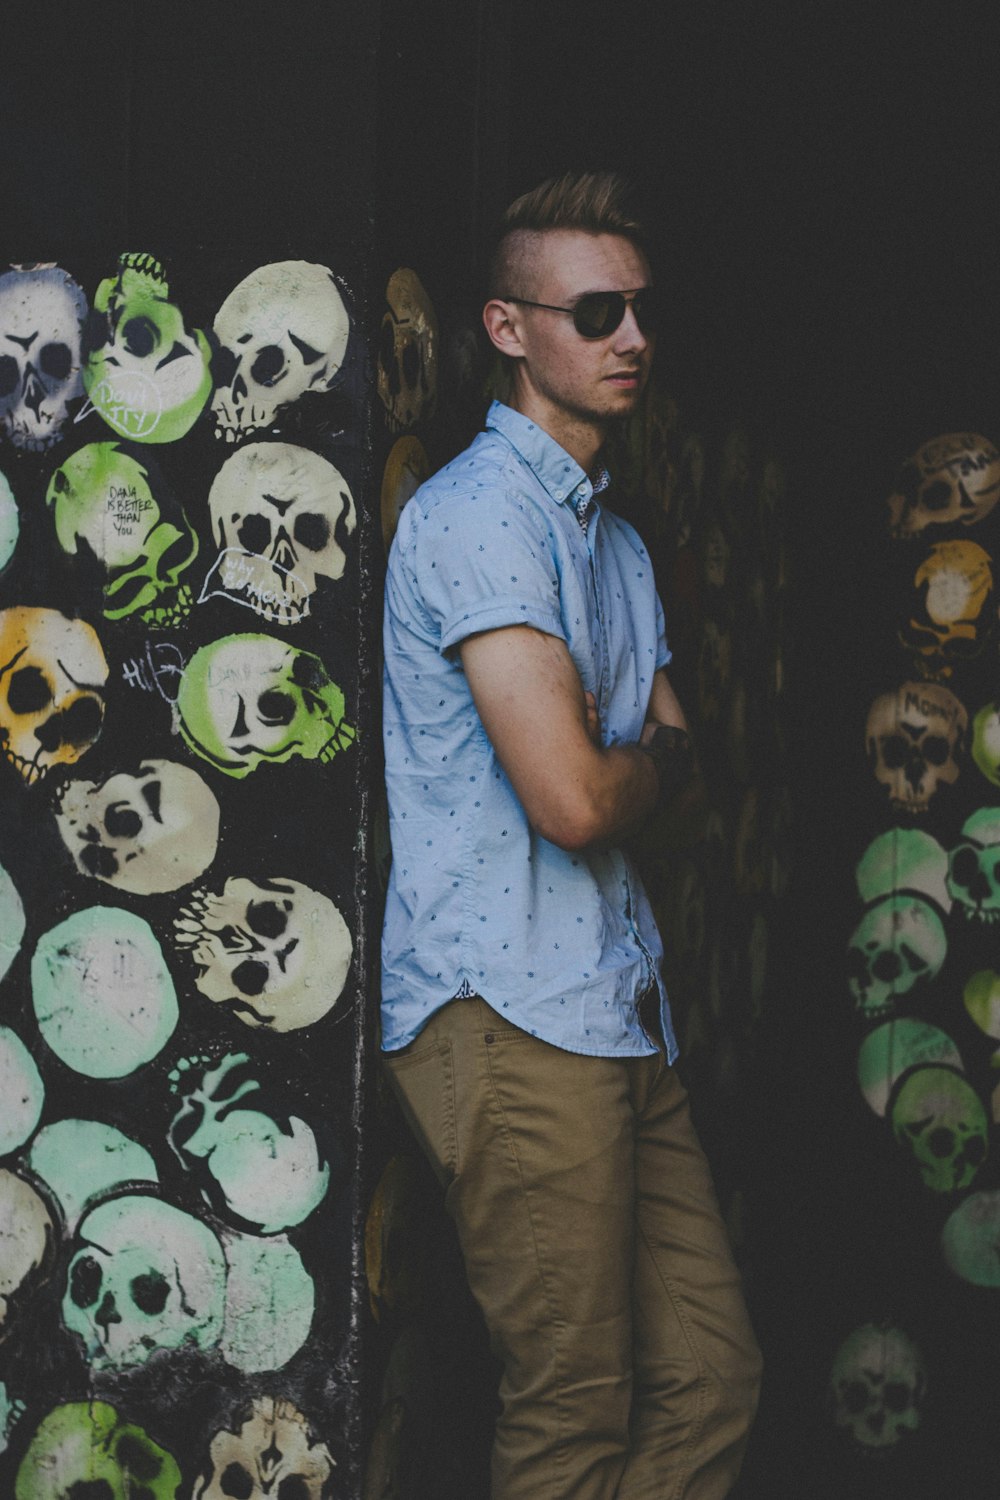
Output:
x=593 y=722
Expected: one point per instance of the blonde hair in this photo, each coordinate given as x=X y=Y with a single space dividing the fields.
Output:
x=594 y=202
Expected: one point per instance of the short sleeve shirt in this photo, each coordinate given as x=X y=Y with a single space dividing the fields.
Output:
x=562 y=943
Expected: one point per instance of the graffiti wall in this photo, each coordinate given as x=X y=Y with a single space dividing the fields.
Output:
x=182 y=932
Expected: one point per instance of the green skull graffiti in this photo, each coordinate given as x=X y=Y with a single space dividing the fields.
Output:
x=86 y=1448
x=247 y=700
x=149 y=377
x=103 y=504
x=942 y=1120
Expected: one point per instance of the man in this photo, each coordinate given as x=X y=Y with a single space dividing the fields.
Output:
x=529 y=727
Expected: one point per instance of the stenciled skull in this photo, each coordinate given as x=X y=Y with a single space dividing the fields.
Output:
x=144 y=1276
x=953 y=480
x=109 y=507
x=273 y=1454
x=52 y=676
x=986 y=741
x=27 y=1245
x=916 y=741
x=406 y=468
x=283 y=516
x=250 y=700
x=147 y=373
x=265 y=1171
x=150 y=832
x=273 y=953
x=284 y=332
x=407 y=352
x=900 y=942
x=877 y=1386
x=42 y=312
x=954 y=613
x=974 y=867
x=10 y=522
x=943 y=1121
x=87 y=1451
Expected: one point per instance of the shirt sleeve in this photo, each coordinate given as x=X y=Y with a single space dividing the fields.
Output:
x=481 y=562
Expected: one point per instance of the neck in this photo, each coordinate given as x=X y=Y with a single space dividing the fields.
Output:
x=581 y=437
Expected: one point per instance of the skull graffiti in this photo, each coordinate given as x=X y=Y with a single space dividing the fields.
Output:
x=406 y=468
x=274 y=953
x=986 y=741
x=144 y=1276
x=284 y=332
x=42 y=312
x=941 y=1118
x=264 y=1171
x=407 y=354
x=86 y=1451
x=250 y=700
x=877 y=1386
x=273 y=1452
x=900 y=942
x=916 y=741
x=105 y=506
x=952 y=480
x=52 y=675
x=150 y=832
x=974 y=867
x=283 y=516
x=147 y=373
x=27 y=1245
x=953 y=614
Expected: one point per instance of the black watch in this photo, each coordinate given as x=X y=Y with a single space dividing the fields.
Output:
x=669 y=748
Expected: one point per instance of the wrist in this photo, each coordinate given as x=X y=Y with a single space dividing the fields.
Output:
x=669 y=748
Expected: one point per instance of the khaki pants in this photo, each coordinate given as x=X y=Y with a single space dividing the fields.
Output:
x=594 y=1245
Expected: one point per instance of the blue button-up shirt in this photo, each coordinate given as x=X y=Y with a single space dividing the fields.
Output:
x=562 y=944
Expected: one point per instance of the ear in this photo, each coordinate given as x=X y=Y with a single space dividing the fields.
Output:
x=503 y=326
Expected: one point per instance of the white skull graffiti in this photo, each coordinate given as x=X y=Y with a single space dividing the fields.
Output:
x=900 y=942
x=284 y=329
x=877 y=1386
x=52 y=675
x=42 y=311
x=283 y=516
x=275 y=953
x=150 y=832
x=952 y=480
x=916 y=741
x=27 y=1243
x=407 y=356
x=272 y=1454
x=145 y=1276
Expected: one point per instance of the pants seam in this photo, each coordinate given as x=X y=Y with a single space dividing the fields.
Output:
x=697 y=1423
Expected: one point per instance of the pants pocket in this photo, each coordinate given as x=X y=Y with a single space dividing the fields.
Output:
x=423 y=1080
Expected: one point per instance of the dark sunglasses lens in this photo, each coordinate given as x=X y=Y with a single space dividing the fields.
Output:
x=598 y=314
x=646 y=306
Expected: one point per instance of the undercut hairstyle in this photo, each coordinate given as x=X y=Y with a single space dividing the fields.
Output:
x=594 y=202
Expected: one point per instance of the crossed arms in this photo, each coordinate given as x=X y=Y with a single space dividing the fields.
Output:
x=529 y=696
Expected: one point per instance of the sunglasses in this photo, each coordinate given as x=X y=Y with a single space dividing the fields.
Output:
x=598 y=314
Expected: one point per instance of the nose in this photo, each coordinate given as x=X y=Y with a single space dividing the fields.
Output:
x=629 y=337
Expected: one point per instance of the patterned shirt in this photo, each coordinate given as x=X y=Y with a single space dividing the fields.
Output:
x=562 y=943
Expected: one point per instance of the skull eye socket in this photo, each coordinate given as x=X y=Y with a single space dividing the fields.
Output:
x=28 y=692
x=55 y=361
x=140 y=336
x=269 y=366
x=255 y=533
x=8 y=375
x=941 y=1142
x=91 y=1489
x=411 y=364
x=937 y=495
x=293 y=1488
x=266 y=919
x=236 y=1482
x=79 y=725
x=122 y=821
x=887 y=967
x=150 y=1292
x=136 y=1459
x=85 y=1281
x=936 y=749
x=894 y=750
x=312 y=531
x=276 y=708
x=854 y=1394
x=896 y=1395
x=964 y=866
x=251 y=976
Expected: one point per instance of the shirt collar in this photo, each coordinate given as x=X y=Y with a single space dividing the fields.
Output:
x=552 y=466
